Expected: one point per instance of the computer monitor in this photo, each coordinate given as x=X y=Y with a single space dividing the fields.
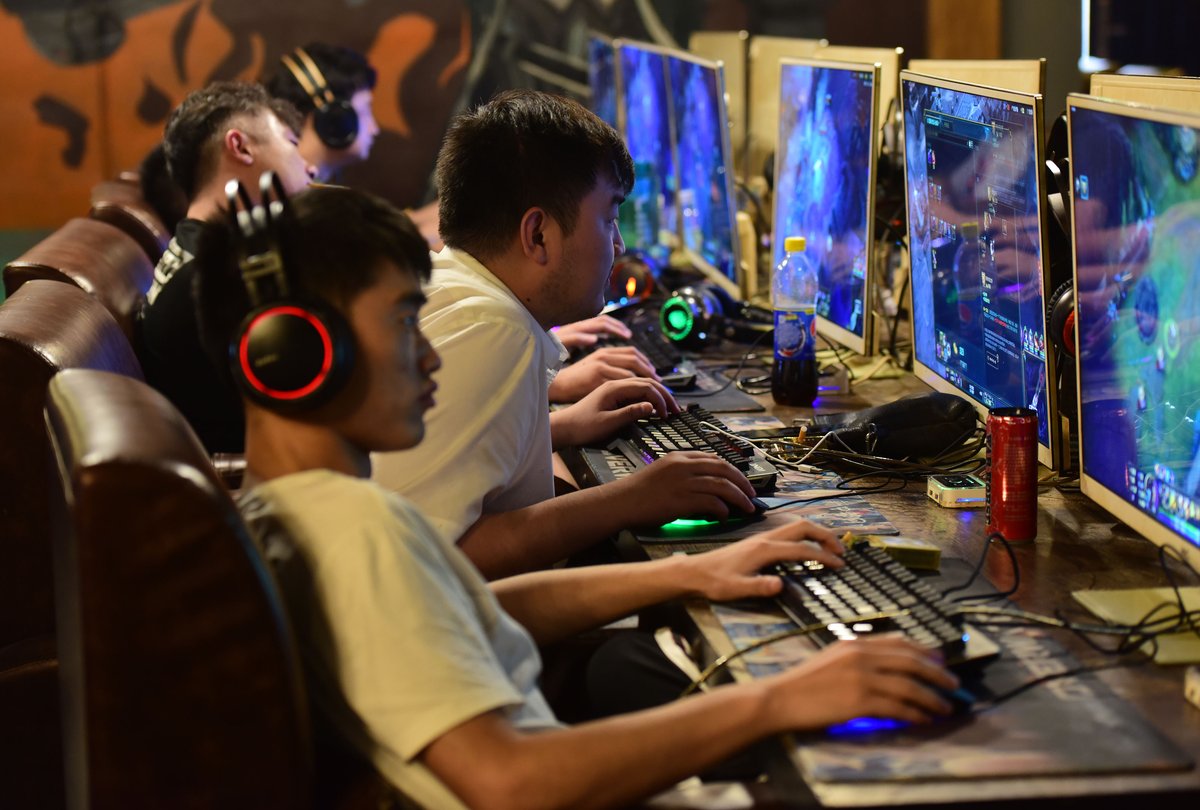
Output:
x=1171 y=92
x=602 y=78
x=973 y=181
x=1022 y=75
x=647 y=219
x=730 y=48
x=1136 y=218
x=706 y=204
x=763 y=108
x=889 y=71
x=825 y=184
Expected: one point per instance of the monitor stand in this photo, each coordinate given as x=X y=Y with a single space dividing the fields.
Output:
x=1131 y=605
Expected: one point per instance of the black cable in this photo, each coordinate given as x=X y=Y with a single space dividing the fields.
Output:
x=1085 y=669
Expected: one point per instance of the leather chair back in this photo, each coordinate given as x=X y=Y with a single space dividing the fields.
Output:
x=94 y=256
x=120 y=203
x=44 y=327
x=180 y=682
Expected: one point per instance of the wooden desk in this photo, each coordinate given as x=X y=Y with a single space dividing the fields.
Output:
x=1078 y=546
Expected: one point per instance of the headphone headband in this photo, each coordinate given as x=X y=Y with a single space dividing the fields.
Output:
x=334 y=119
x=310 y=77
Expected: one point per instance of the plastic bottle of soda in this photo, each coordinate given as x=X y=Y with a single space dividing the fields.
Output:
x=794 y=299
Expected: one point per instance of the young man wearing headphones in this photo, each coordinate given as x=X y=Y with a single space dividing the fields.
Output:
x=227 y=130
x=410 y=657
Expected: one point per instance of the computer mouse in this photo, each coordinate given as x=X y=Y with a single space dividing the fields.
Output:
x=961 y=700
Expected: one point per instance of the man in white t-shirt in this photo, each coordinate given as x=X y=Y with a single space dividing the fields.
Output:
x=409 y=655
x=529 y=187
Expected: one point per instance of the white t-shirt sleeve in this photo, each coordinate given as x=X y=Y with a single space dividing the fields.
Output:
x=479 y=431
x=413 y=656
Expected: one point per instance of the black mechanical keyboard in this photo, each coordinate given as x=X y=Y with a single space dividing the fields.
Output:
x=649 y=439
x=869 y=584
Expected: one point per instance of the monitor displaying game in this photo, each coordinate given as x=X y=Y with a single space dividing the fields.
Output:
x=1136 y=219
x=762 y=110
x=602 y=79
x=647 y=217
x=730 y=48
x=824 y=187
x=973 y=172
x=705 y=201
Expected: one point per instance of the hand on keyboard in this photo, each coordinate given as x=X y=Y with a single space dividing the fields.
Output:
x=602 y=413
x=736 y=571
x=883 y=677
x=582 y=377
x=585 y=333
x=685 y=483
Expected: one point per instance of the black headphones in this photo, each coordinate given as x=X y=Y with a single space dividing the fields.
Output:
x=289 y=355
x=334 y=119
x=699 y=315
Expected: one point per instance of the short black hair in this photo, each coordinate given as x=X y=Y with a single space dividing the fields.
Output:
x=522 y=149
x=345 y=71
x=189 y=139
x=158 y=189
x=333 y=241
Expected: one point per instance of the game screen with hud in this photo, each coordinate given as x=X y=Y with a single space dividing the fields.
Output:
x=647 y=217
x=1137 y=234
x=824 y=182
x=705 y=201
x=602 y=80
x=972 y=171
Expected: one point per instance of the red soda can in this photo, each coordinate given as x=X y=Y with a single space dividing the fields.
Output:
x=1012 y=473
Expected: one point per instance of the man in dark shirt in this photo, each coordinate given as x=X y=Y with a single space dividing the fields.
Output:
x=226 y=131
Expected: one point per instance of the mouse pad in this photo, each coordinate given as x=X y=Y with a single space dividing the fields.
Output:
x=1074 y=725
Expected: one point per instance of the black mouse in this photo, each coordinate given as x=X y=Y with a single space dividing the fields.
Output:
x=961 y=700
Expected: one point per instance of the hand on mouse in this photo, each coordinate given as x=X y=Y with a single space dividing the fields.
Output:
x=735 y=571
x=585 y=333
x=885 y=676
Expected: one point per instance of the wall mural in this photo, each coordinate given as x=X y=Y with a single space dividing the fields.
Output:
x=86 y=85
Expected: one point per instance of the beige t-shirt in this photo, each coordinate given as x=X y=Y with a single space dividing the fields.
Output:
x=400 y=637
x=487 y=441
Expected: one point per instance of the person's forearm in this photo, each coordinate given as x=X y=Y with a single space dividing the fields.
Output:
x=559 y=603
x=612 y=762
x=538 y=536
x=560 y=432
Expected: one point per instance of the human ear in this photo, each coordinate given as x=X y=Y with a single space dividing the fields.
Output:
x=237 y=144
x=533 y=235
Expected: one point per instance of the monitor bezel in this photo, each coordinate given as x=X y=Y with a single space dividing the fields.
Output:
x=1047 y=453
x=1112 y=502
x=735 y=285
x=827 y=328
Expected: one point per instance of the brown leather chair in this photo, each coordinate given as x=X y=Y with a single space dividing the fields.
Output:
x=95 y=257
x=180 y=681
x=120 y=203
x=44 y=327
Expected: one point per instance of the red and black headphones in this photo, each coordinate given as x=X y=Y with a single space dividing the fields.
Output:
x=289 y=355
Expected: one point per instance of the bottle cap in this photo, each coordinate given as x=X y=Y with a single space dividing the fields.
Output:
x=794 y=244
